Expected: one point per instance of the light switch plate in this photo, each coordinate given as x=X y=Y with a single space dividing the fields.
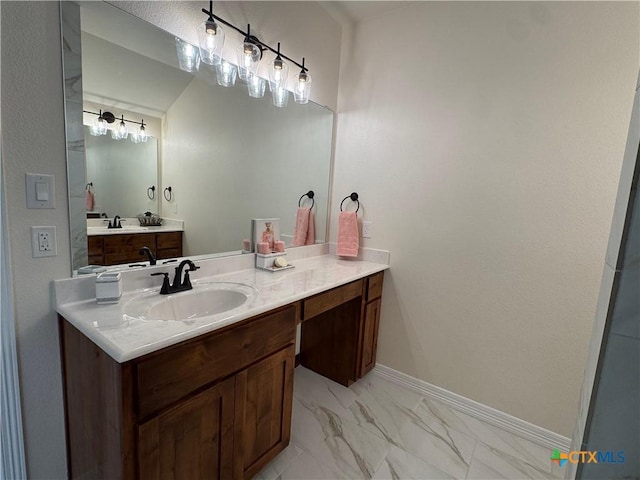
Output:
x=41 y=192
x=43 y=242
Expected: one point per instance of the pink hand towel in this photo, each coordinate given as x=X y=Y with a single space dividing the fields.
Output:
x=304 y=232
x=91 y=200
x=348 y=240
x=311 y=230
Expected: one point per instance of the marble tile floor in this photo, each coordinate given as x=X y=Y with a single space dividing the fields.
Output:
x=377 y=429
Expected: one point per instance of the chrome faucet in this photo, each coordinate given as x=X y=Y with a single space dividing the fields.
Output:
x=178 y=285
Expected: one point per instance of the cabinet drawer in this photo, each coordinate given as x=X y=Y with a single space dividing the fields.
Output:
x=168 y=240
x=168 y=376
x=331 y=299
x=128 y=242
x=374 y=289
x=95 y=245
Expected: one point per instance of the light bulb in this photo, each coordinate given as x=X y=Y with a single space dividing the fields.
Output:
x=303 y=88
x=278 y=73
x=248 y=58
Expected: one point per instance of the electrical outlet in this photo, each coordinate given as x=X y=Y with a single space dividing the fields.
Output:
x=366 y=229
x=43 y=242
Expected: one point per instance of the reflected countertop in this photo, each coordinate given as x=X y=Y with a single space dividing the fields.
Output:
x=125 y=337
x=131 y=225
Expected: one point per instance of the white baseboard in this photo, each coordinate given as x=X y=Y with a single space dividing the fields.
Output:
x=529 y=431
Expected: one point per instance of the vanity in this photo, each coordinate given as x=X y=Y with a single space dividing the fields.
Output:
x=210 y=397
x=115 y=249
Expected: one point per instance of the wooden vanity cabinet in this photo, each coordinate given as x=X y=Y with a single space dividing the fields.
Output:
x=125 y=247
x=216 y=406
x=340 y=330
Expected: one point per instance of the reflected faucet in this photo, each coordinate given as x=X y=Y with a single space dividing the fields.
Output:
x=147 y=251
x=116 y=222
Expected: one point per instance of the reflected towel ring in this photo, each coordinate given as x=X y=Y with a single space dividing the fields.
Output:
x=167 y=194
x=309 y=194
x=354 y=198
x=89 y=186
x=151 y=192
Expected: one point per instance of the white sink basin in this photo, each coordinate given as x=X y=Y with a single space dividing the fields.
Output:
x=205 y=300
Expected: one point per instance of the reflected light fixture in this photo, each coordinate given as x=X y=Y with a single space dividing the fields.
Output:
x=141 y=135
x=256 y=86
x=99 y=127
x=211 y=40
x=280 y=96
x=121 y=131
x=226 y=73
x=188 y=56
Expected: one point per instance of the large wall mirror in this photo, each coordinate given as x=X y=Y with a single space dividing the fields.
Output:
x=227 y=157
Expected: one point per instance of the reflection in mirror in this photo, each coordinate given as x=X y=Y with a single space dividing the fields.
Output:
x=121 y=173
x=228 y=157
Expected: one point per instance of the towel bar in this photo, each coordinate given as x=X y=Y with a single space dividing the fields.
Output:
x=354 y=198
x=309 y=194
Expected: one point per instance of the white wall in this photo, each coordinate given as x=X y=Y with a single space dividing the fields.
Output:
x=485 y=141
x=33 y=141
x=221 y=152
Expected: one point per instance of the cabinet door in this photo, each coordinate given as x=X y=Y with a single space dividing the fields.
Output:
x=370 y=336
x=264 y=393
x=193 y=439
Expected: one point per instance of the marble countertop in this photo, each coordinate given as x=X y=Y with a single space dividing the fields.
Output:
x=130 y=225
x=124 y=337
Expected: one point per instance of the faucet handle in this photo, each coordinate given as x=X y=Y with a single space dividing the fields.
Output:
x=165 y=282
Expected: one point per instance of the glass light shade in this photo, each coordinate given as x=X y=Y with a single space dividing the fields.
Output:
x=211 y=39
x=226 y=74
x=256 y=86
x=120 y=132
x=280 y=97
x=303 y=88
x=139 y=136
x=248 y=58
x=188 y=56
x=278 y=71
x=99 y=127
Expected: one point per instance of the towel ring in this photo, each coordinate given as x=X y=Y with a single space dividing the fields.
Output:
x=309 y=194
x=354 y=198
x=89 y=186
x=167 y=194
x=151 y=192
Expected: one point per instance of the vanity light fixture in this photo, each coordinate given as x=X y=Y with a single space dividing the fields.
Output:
x=141 y=135
x=211 y=40
x=249 y=55
x=303 y=86
x=121 y=131
x=99 y=126
x=278 y=71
